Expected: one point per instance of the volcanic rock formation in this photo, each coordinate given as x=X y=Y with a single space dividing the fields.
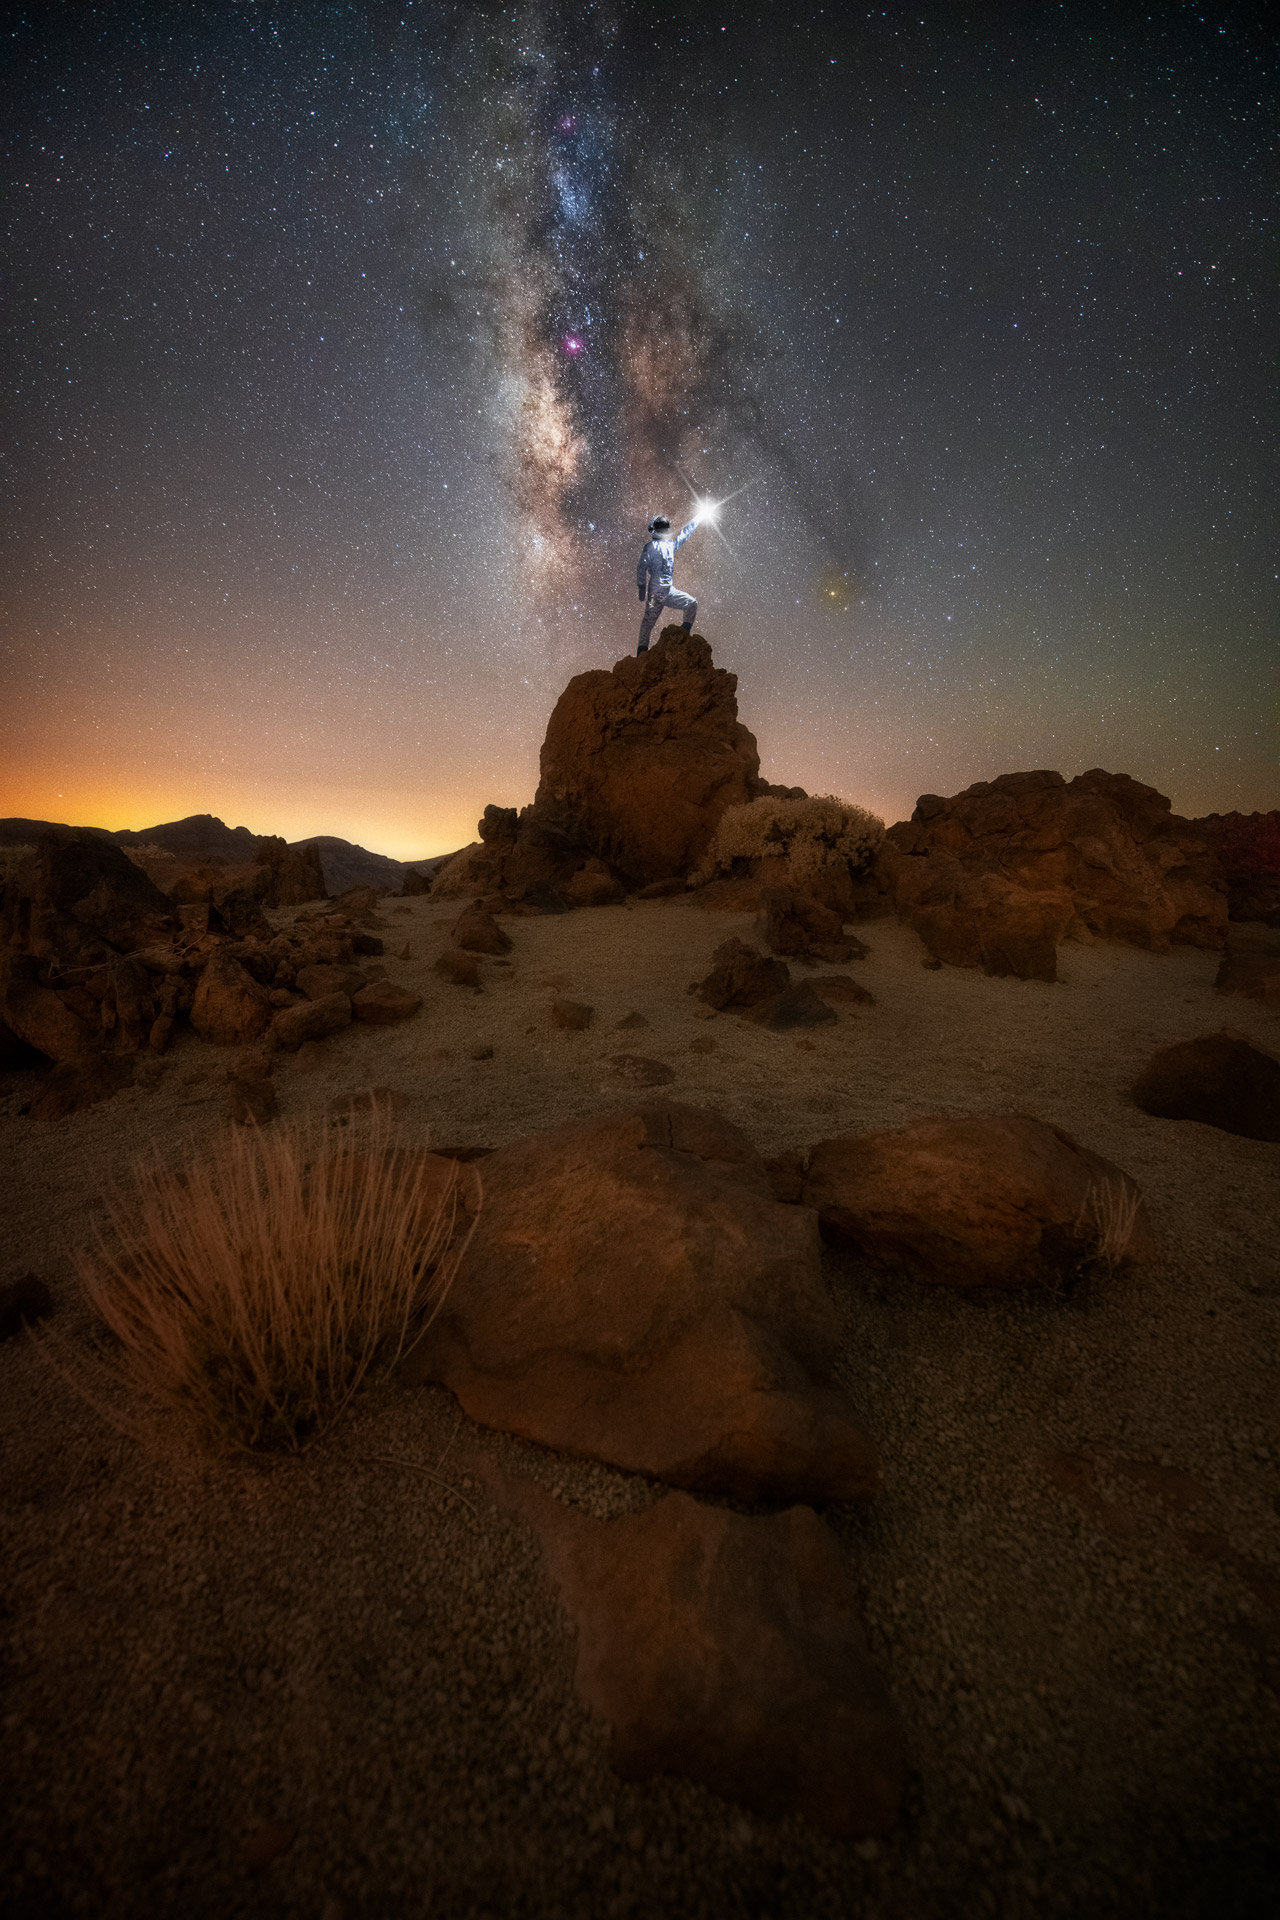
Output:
x=637 y=767
x=999 y=874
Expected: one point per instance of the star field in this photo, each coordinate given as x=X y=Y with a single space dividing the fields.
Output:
x=352 y=346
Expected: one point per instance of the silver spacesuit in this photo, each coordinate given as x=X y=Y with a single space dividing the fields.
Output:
x=654 y=580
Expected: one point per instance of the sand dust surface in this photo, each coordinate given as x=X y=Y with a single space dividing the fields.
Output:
x=338 y=1684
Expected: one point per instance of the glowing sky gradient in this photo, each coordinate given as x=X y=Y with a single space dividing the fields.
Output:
x=353 y=345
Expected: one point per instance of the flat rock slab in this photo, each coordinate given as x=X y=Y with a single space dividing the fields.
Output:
x=318 y=982
x=312 y=1020
x=728 y=1649
x=1221 y=1079
x=1006 y=1201
x=382 y=1003
x=634 y=1293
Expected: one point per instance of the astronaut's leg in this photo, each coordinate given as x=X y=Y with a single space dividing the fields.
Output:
x=653 y=607
x=683 y=603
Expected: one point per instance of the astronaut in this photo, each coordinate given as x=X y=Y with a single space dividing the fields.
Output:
x=654 y=575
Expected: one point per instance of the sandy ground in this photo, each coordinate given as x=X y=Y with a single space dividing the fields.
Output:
x=333 y=1687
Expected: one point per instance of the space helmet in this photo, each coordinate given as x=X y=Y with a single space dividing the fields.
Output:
x=659 y=524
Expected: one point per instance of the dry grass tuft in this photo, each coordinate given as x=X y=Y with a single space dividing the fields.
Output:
x=254 y=1289
x=809 y=834
x=1107 y=1217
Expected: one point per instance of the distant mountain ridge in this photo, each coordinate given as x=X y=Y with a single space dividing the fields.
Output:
x=344 y=863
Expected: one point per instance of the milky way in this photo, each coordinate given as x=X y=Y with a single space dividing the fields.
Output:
x=353 y=346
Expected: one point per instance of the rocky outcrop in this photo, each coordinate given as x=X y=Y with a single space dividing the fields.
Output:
x=729 y=1649
x=78 y=900
x=634 y=1293
x=637 y=767
x=294 y=875
x=1006 y=1201
x=999 y=874
x=1220 y=1079
x=1248 y=849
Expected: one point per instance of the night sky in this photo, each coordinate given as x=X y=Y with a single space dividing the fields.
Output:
x=352 y=345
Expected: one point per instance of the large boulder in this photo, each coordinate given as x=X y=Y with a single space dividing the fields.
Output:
x=1221 y=1079
x=999 y=874
x=634 y=1293
x=38 y=1017
x=1005 y=1201
x=294 y=874
x=637 y=767
x=1248 y=850
x=229 y=1007
x=639 y=763
x=728 y=1649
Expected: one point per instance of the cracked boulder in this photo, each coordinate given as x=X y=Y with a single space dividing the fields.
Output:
x=1002 y=1201
x=728 y=1649
x=634 y=1293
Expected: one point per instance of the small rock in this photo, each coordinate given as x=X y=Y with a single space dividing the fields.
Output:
x=406 y=951
x=571 y=1015
x=1221 y=1079
x=797 y=1006
x=483 y=1052
x=458 y=968
x=311 y=1020
x=476 y=931
x=800 y=926
x=22 y=1302
x=161 y=1033
x=741 y=977
x=366 y=943
x=639 y=1072
x=702 y=1043
x=931 y=965
x=318 y=982
x=382 y=1004
x=663 y=889
x=311 y=1057
x=630 y=1022
x=280 y=997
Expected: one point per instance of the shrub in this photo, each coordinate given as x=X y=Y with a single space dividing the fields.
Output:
x=254 y=1289
x=809 y=834
x=1106 y=1220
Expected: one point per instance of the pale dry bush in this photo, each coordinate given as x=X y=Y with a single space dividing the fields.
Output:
x=809 y=834
x=255 y=1288
x=1107 y=1216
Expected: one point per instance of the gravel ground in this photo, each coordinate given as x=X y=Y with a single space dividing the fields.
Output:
x=336 y=1686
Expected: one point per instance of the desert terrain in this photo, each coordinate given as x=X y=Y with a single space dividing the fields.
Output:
x=342 y=1684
